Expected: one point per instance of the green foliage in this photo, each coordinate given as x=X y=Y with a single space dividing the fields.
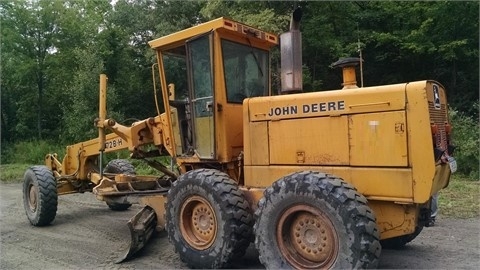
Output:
x=79 y=113
x=258 y=14
x=53 y=51
x=460 y=199
x=30 y=152
x=16 y=158
x=466 y=138
x=10 y=173
x=143 y=168
x=408 y=41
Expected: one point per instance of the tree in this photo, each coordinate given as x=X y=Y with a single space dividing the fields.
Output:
x=46 y=44
x=84 y=95
x=407 y=41
x=28 y=30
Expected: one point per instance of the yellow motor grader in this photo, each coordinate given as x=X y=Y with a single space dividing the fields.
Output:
x=316 y=180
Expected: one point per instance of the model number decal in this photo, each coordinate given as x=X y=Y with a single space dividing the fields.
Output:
x=113 y=143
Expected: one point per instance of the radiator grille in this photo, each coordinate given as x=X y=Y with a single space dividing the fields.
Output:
x=439 y=117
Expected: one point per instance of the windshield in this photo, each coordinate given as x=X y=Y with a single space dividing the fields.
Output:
x=246 y=71
x=175 y=72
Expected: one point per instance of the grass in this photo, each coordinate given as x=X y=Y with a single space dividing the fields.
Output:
x=461 y=199
x=12 y=173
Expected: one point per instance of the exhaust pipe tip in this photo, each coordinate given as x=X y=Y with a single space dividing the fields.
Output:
x=295 y=20
x=291 y=56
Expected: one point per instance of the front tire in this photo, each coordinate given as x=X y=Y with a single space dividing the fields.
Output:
x=311 y=220
x=40 y=198
x=208 y=220
x=119 y=166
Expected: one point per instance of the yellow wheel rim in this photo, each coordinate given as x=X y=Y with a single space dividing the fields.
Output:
x=32 y=197
x=198 y=223
x=307 y=238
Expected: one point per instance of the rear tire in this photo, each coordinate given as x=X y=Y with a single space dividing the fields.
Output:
x=40 y=198
x=119 y=166
x=311 y=220
x=208 y=219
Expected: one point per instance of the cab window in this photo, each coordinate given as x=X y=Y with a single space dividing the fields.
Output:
x=246 y=71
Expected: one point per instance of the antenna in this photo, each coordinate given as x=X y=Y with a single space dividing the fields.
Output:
x=359 y=49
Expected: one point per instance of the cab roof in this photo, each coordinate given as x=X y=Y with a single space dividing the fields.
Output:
x=220 y=23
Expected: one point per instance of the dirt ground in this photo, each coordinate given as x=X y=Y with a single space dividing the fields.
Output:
x=86 y=234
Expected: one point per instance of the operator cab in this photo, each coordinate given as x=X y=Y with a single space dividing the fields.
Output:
x=205 y=73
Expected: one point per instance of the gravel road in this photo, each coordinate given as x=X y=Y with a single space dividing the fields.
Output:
x=86 y=234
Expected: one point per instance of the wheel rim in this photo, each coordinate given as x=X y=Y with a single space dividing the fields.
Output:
x=307 y=238
x=32 y=197
x=198 y=222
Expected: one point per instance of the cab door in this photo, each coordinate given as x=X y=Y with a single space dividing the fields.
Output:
x=199 y=53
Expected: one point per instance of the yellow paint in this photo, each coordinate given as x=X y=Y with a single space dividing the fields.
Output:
x=176 y=130
x=378 y=138
x=157 y=202
x=394 y=219
x=393 y=184
x=178 y=38
x=320 y=140
x=257 y=140
x=204 y=136
x=349 y=77
x=328 y=103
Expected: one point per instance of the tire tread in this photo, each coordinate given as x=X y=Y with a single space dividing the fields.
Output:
x=47 y=196
x=346 y=200
x=237 y=213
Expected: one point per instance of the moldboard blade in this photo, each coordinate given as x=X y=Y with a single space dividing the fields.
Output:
x=141 y=227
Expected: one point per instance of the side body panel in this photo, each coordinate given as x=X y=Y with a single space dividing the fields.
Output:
x=376 y=138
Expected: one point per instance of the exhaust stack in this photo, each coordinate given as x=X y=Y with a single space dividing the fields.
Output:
x=291 y=56
x=348 y=67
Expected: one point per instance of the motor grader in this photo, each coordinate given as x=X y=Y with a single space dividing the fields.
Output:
x=317 y=180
